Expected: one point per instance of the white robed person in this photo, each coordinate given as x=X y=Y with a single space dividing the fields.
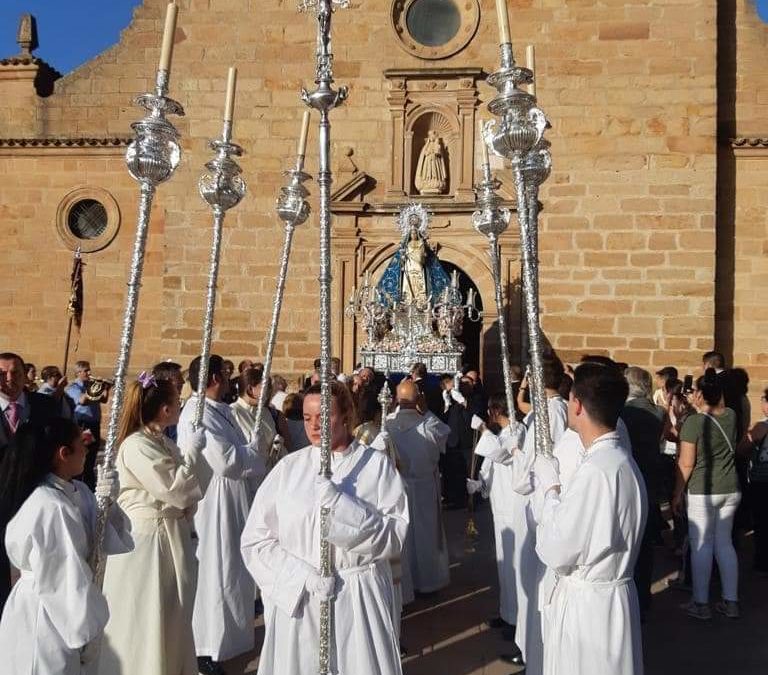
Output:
x=224 y=610
x=530 y=572
x=501 y=473
x=151 y=590
x=420 y=440
x=368 y=524
x=271 y=445
x=55 y=614
x=589 y=537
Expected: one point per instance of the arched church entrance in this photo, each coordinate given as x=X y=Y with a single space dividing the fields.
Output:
x=472 y=326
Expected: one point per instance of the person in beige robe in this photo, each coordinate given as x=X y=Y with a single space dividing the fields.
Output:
x=151 y=591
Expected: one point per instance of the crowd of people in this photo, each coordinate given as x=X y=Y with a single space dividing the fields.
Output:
x=212 y=523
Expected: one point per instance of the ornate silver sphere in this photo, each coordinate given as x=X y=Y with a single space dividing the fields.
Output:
x=154 y=154
x=292 y=205
x=222 y=186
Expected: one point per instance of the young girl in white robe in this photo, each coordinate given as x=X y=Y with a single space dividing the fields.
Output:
x=55 y=614
x=152 y=589
x=281 y=548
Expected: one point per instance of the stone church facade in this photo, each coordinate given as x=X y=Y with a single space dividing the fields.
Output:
x=654 y=236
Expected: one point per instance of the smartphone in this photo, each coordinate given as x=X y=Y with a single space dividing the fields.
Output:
x=688 y=384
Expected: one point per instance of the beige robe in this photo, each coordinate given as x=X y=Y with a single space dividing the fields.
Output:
x=151 y=591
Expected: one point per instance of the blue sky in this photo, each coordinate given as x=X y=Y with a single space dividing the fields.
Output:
x=73 y=31
x=70 y=31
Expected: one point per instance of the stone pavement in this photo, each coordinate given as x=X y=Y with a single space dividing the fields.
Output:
x=446 y=634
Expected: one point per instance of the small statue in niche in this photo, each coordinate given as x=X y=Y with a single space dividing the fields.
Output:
x=430 y=170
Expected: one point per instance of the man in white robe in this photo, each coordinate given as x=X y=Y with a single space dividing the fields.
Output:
x=224 y=605
x=420 y=440
x=589 y=536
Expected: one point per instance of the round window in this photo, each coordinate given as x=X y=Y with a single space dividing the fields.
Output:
x=434 y=29
x=87 y=219
x=433 y=22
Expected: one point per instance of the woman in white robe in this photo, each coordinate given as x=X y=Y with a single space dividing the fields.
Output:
x=151 y=591
x=55 y=614
x=281 y=547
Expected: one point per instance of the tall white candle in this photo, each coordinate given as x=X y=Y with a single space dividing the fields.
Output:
x=229 y=107
x=483 y=146
x=503 y=19
x=166 y=52
x=530 y=63
x=302 y=149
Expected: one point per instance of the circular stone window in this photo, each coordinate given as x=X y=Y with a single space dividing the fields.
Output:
x=88 y=218
x=434 y=29
x=433 y=22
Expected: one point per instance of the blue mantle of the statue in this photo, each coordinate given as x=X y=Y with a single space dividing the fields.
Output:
x=389 y=285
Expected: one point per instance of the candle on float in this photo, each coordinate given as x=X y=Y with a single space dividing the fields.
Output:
x=302 y=148
x=483 y=144
x=530 y=63
x=455 y=279
x=503 y=19
x=166 y=51
x=229 y=107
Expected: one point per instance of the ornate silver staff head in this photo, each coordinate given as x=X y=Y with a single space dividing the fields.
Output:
x=222 y=186
x=292 y=205
x=154 y=154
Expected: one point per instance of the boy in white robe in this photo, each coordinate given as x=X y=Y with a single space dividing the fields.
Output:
x=224 y=605
x=589 y=536
x=420 y=441
x=367 y=528
x=500 y=475
x=55 y=615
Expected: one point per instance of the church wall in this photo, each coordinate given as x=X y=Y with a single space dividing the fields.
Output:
x=627 y=240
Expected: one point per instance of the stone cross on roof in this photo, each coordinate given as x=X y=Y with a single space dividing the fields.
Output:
x=26 y=37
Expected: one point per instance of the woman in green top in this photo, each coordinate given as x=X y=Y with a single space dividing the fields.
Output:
x=707 y=471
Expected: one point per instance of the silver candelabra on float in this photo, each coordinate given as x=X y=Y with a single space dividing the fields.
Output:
x=293 y=209
x=222 y=187
x=152 y=158
x=450 y=309
x=518 y=135
x=324 y=98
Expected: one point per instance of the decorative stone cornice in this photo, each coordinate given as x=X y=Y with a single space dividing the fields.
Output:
x=114 y=142
x=750 y=146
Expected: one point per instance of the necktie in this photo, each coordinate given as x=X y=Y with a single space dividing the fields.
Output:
x=12 y=414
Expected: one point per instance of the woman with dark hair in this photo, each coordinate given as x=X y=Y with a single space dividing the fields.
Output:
x=293 y=407
x=160 y=489
x=707 y=477
x=367 y=526
x=54 y=610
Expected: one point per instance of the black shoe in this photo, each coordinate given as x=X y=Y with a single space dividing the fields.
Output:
x=515 y=658
x=207 y=666
x=497 y=622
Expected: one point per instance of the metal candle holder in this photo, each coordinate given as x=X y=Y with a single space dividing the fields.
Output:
x=324 y=99
x=519 y=137
x=222 y=187
x=385 y=400
x=492 y=221
x=152 y=158
x=293 y=209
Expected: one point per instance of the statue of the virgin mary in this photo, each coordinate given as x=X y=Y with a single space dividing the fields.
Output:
x=414 y=275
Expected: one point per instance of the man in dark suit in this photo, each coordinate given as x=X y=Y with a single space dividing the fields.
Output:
x=17 y=406
x=645 y=424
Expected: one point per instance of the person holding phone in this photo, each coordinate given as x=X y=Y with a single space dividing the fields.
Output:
x=707 y=479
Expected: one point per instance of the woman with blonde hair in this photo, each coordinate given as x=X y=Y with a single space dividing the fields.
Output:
x=368 y=522
x=151 y=591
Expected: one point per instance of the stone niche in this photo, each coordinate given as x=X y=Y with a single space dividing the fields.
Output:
x=437 y=107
